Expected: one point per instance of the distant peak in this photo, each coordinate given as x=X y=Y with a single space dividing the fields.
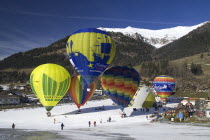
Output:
x=157 y=38
x=129 y=27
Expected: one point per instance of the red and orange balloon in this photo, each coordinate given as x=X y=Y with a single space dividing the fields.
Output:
x=79 y=91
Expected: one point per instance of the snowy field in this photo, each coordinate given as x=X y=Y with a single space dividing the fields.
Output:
x=135 y=126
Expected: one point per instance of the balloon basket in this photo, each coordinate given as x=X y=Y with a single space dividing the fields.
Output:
x=48 y=114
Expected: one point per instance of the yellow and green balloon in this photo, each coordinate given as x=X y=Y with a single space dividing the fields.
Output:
x=143 y=98
x=150 y=100
x=50 y=82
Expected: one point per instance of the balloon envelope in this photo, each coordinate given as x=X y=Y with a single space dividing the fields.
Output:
x=90 y=51
x=50 y=82
x=120 y=84
x=79 y=90
x=150 y=100
x=164 y=86
x=143 y=98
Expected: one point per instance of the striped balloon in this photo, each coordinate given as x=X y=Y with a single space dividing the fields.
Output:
x=79 y=90
x=120 y=84
x=164 y=86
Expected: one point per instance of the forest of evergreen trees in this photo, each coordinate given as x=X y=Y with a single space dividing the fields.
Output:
x=15 y=76
x=196 y=69
x=152 y=69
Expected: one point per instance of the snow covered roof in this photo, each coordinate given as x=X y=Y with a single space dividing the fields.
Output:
x=3 y=95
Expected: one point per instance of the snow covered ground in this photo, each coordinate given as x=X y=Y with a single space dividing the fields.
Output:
x=135 y=126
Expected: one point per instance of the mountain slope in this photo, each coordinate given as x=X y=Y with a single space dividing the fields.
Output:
x=130 y=52
x=157 y=38
x=193 y=43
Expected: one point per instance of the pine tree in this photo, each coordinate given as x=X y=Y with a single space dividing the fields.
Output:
x=201 y=56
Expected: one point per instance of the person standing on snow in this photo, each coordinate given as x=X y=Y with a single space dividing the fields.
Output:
x=89 y=123
x=13 y=126
x=54 y=120
x=109 y=119
x=94 y=123
x=62 y=125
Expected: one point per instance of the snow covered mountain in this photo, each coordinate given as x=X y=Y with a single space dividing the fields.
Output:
x=157 y=38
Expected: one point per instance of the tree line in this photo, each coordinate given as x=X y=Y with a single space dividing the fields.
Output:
x=14 y=76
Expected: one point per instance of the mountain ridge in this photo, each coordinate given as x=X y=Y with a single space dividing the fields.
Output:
x=157 y=38
x=195 y=42
x=131 y=51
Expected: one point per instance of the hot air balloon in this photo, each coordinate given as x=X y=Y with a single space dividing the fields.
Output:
x=50 y=82
x=164 y=86
x=120 y=84
x=143 y=98
x=79 y=90
x=149 y=101
x=90 y=51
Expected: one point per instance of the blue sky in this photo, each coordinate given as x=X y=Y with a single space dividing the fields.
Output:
x=27 y=24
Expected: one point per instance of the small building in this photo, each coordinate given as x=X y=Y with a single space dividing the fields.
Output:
x=9 y=99
x=207 y=102
x=207 y=108
x=6 y=87
x=208 y=113
x=186 y=101
x=98 y=92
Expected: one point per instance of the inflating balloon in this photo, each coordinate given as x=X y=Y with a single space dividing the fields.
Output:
x=143 y=98
x=90 y=51
x=79 y=90
x=50 y=82
x=164 y=86
x=150 y=100
x=120 y=84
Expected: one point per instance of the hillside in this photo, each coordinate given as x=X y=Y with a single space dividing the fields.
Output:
x=202 y=58
x=188 y=84
x=173 y=59
x=130 y=52
x=197 y=41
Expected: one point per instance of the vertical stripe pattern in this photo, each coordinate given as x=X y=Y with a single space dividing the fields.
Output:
x=79 y=91
x=50 y=82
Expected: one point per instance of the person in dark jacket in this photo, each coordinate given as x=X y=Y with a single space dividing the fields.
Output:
x=13 y=126
x=110 y=119
x=89 y=123
x=62 y=125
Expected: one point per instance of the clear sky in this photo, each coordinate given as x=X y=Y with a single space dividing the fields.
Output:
x=27 y=24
